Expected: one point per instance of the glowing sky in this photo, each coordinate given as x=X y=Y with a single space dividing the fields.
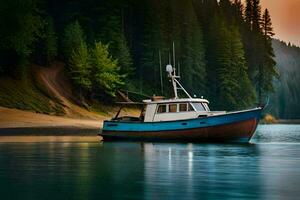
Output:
x=285 y=16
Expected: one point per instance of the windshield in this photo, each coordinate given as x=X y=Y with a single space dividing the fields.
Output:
x=199 y=107
x=206 y=106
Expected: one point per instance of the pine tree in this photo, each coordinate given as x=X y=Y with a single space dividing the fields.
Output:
x=105 y=70
x=20 y=27
x=80 y=68
x=212 y=37
x=49 y=41
x=226 y=82
x=227 y=68
x=72 y=39
x=267 y=25
x=191 y=53
x=245 y=93
x=256 y=16
x=112 y=32
x=124 y=57
x=227 y=10
x=249 y=14
x=267 y=70
x=252 y=38
x=145 y=50
x=248 y=37
x=238 y=12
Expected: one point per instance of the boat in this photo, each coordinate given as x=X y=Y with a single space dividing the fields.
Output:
x=187 y=119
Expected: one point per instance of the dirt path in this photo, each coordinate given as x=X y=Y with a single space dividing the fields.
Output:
x=77 y=120
x=52 y=78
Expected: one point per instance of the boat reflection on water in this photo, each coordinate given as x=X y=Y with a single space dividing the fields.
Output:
x=192 y=171
x=221 y=171
x=134 y=170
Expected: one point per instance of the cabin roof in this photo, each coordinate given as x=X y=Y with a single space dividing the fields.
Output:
x=165 y=101
x=131 y=103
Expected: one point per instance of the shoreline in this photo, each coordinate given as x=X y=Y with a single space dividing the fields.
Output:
x=14 y=122
x=49 y=131
x=282 y=121
x=288 y=121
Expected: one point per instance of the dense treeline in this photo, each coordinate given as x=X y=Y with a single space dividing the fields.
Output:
x=223 y=48
x=284 y=103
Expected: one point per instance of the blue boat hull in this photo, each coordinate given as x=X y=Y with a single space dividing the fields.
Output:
x=230 y=127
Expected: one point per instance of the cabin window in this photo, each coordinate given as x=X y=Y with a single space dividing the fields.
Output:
x=190 y=108
x=199 y=106
x=182 y=107
x=173 y=108
x=206 y=106
x=162 y=109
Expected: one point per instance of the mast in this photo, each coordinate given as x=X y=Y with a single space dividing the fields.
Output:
x=172 y=74
x=178 y=68
x=174 y=85
x=174 y=60
x=175 y=82
x=160 y=72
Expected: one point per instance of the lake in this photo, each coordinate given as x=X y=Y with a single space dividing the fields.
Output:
x=83 y=168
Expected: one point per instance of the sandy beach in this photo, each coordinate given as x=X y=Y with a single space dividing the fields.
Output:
x=17 y=122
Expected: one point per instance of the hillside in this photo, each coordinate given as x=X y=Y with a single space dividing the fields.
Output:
x=46 y=90
x=45 y=99
x=284 y=103
x=52 y=79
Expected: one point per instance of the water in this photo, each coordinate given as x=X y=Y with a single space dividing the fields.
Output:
x=268 y=168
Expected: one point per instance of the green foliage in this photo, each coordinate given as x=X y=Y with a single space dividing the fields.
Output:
x=20 y=26
x=112 y=32
x=284 y=104
x=181 y=26
x=80 y=68
x=50 y=41
x=92 y=70
x=105 y=70
x=124 y=57
x=72 y=39
x=259 y=50
x=224 y=50
x=45 y=50
x=20 y=23
x=267 y=24
x=233 y=87
x=245 y=93
x=266 y=70
x=191 y=54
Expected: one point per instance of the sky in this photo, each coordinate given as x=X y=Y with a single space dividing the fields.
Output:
x=285 y=16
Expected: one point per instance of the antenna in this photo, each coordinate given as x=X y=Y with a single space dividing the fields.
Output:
x=178 y=68
x=172 y=75
x=174 y=62
x=160 y=72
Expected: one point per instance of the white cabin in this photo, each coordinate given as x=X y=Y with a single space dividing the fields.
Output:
x=176 y=109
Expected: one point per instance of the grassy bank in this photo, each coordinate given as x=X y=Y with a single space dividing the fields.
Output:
x=269 y=119
x=25 y=95
x=46 y=90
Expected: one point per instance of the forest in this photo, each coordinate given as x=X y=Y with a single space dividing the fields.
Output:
x=284 y=103
x=223 y=48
